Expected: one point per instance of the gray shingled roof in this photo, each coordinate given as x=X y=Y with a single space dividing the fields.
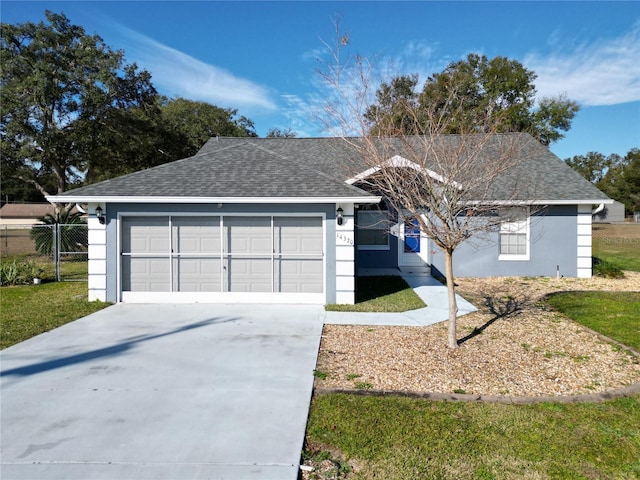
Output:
x=236 y=168
x=319 y=167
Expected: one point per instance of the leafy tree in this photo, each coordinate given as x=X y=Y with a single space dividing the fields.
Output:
x=622 y=180
x=63 y=92
x=279 y=133
x=470 y=94
x=394 y=103
x=443 y=183
x=196 y=122
x=592 y=166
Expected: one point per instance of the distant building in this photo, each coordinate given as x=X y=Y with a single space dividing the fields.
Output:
x=25 y=213
x=612 y=213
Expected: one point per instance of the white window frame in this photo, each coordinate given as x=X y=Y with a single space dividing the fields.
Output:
x=384 y=221
x=514 y=224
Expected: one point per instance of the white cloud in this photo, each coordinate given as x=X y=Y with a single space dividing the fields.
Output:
x=177 y=74
x=604 y=72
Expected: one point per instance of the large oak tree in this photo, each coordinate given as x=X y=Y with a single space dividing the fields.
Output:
x=64 y=94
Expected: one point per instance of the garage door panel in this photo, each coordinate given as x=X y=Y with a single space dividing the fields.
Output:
x=196 y=234
x=298 y=235
x=145 y=235
x=197 y=274
x=249 y=275
x=245 y=235
x=299 y=275
x=145 y=274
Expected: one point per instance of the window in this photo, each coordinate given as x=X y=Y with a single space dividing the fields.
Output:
x=373 y=230
x=514 y=234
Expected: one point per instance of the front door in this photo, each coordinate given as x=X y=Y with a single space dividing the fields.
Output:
x=413 y=245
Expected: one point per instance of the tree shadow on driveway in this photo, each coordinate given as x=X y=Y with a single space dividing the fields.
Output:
x=111 y=351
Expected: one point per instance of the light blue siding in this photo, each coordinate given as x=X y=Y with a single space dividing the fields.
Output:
x=553 y=238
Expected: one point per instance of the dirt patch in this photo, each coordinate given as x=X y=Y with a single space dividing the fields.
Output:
x=617 y=230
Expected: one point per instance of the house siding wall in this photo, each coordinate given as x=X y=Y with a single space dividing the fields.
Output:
x=554 y=244
x=331 y=278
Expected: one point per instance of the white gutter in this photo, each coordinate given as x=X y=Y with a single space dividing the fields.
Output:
x=542 y=202
x=598 y=209
x=142 y=199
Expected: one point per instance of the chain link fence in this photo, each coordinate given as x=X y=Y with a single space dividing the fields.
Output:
x=60 y=250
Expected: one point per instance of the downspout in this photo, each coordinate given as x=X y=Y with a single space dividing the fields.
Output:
x=598 y=209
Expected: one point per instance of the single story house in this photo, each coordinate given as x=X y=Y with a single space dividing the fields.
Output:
x=283 y=220
x=21 y=214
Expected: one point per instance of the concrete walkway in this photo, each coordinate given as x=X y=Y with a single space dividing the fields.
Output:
x=431 y=291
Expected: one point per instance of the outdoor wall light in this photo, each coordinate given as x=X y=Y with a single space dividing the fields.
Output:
x=339 y=217
x=100 y=215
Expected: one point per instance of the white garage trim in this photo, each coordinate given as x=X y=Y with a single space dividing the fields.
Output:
x=289 y=251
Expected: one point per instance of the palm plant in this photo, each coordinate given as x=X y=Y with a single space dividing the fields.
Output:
x=70 y=237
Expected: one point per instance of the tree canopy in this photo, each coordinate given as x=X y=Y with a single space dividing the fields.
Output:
x=196 y=122
x=62 y=89
x=280 y=133
x=74 y=112
x=467 y=96
x=621 y=181
x=439 y=184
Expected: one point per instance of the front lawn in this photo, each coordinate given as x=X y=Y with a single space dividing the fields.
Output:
x=381 y=294
x=396 y=437
x=29 y=310
x=618 y=245
x=614 y=314
x=403 y=438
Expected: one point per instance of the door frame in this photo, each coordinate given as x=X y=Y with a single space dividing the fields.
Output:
x=412 y=259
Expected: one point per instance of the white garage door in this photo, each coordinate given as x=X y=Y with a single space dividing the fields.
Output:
x=223 y=258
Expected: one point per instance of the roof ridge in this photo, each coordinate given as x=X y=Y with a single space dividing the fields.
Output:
x=304 y=166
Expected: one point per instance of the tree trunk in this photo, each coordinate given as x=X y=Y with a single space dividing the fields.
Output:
x=452 y=341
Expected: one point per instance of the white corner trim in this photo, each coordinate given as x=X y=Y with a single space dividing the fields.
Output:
x=584 y=241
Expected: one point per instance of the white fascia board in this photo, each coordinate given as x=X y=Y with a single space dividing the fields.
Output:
x=140 y=199
x=541 y=202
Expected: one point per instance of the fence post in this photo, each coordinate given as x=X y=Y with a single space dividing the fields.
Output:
x=56 y=249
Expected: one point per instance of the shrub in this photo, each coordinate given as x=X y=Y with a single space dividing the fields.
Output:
x=18 y=272
x=602 y=268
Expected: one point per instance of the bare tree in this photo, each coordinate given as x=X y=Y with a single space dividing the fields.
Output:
x=452 y=185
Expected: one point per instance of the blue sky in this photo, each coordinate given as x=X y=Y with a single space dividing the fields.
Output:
x=262 y=57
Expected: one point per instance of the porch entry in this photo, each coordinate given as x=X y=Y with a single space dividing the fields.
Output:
x=413 y=247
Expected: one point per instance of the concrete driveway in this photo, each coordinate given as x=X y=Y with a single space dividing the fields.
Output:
x=162 y=392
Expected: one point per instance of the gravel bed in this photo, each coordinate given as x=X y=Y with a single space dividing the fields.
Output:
x=515 y=346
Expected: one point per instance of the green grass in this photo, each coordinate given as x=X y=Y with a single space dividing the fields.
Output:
x=381 y=294
x=26 y=311
x=618 y=245
x=401 y=438
x=614 y=314
x=398 y=438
